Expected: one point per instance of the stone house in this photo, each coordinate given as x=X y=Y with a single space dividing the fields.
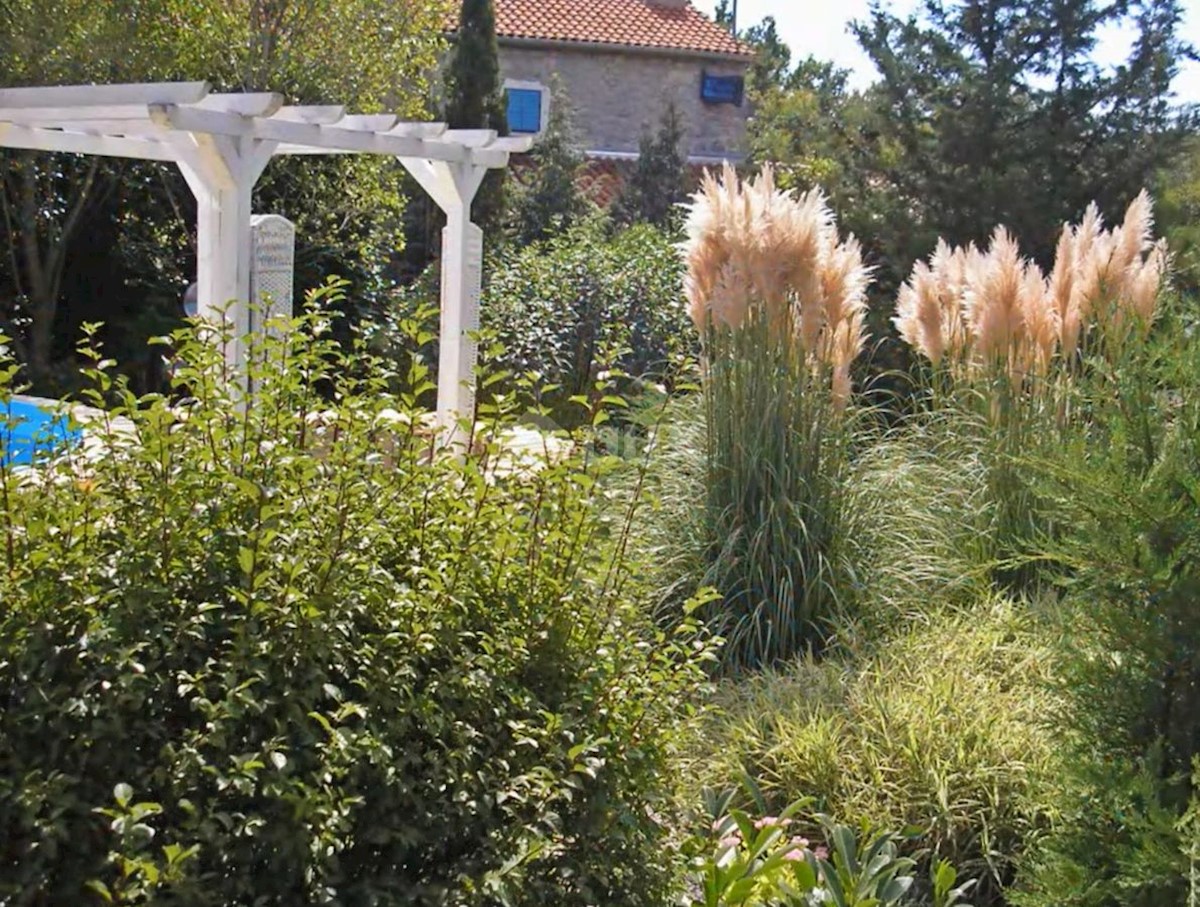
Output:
x=621 y=62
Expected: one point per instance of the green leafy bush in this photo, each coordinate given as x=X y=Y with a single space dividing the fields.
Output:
x=1130 y=675
x=558 y=307
x=757 y=862
x=291 y=653
x=566 y=310
x=941 y=730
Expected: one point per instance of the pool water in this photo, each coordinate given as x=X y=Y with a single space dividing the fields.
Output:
x=29 y=431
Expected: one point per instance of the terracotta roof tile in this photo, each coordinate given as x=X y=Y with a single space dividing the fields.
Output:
x=637 y=23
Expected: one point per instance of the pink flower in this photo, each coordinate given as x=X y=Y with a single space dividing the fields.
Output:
x=800 y=842
x=821 y=853
x=731 y=841
x=772 y=822
x=794 y=856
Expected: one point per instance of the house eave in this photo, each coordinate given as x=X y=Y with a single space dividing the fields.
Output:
x=674 y=53
x=706 y=160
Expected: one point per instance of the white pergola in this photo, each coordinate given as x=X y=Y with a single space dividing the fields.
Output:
x=223 y=142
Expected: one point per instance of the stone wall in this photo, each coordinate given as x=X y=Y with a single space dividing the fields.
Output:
x=617 y=95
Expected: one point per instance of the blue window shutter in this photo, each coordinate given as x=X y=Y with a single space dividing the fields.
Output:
x=524 y=110
x=722 y=89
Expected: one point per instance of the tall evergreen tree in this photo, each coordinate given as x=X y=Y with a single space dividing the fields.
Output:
x=724 y=14
x=550 y=200
x=658 y=184
x=998 y=113
x=773 y=61
x=474 y=96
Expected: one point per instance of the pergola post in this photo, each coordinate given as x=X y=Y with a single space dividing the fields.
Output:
x=453 y=187
x=221 y=172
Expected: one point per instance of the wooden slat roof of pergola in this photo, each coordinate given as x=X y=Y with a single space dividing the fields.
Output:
x=155 y=121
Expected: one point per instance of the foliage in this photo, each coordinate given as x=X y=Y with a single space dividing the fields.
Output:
x=773 y=60
x=113 y=237
x=558 y=307
x=1127 y=487
x=475 y=99
x=550 y=202
x=1178 y=193
x=297 y=652
x=1002 y=117
x=723 y=14
x=942 y=729
x=658 y=184
x=758 y=862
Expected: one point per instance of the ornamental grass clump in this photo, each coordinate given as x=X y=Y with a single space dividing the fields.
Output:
x=1010 y=346
x=779 y=301
x=990 y=314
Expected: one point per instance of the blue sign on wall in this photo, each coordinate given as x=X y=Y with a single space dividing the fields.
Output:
x=722 y=89
x=524 y=111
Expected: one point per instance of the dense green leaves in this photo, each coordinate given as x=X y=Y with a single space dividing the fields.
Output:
x=658 y=183
x=282 y=654
x=1128 y=486
x=548 y=199
x=1003 y=117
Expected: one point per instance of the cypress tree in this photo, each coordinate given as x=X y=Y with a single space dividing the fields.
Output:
x=551 y=202
x=658 y=184
x=474 y=99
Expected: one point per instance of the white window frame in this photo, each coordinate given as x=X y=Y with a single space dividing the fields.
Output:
x=527 y=85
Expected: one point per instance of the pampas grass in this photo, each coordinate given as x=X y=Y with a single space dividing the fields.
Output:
x=758 y=253
x=996 y=313
x=1014 y=345
x=780 y=301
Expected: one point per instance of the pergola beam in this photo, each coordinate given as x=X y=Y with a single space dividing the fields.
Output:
x=248 y=104
x=79 y=97
x=316 y=114
x=31 y=139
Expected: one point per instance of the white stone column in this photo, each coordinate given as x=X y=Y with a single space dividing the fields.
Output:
x=221 y=173
x=453 y=186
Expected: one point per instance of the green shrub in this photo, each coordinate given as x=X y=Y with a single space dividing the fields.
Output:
x=755 y=861
x=567 y=309
x=280 y=654
x=1131 y=671
x=558 y=307
x=941 y=730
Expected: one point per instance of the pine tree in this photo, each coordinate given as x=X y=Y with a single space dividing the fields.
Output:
x=773 y=60
x=997 y=112
x=724 y=15
x=474 y=99
x=658 y=184
x=550 y=201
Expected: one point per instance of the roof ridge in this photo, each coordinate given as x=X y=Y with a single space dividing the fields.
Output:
x=633 y=23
